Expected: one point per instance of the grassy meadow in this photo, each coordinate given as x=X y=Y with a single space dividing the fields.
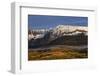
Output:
x=56 y=53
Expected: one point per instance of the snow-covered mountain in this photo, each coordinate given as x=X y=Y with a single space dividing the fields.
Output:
x=37 y=33
x=69 y=29
x=58 y=31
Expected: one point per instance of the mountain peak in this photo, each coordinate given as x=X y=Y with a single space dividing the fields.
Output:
x=58 y=31
x=60 y=26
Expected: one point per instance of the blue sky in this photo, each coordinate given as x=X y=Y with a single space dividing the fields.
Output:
x=47 y=21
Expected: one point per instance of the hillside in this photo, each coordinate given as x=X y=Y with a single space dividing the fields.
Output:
x=79 y=39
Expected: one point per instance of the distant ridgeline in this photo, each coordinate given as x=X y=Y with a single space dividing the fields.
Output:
x=60 y=35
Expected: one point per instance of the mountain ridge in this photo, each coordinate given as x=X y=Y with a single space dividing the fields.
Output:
x=58 y=37
x=59 y=30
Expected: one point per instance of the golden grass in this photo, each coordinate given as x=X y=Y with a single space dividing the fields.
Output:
x=57 y=53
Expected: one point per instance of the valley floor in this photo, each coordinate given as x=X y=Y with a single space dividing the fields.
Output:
x=58 y=52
